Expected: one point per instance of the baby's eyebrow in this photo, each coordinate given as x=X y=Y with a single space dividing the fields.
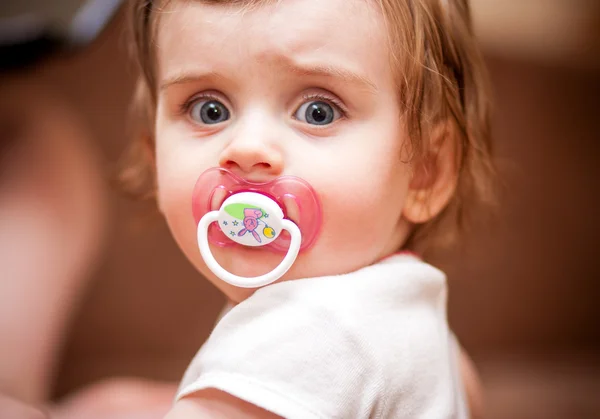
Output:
x=333 y=72
x=190 y=77
x=339 y=73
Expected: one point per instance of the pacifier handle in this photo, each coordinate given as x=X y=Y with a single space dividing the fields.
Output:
x=256 y=207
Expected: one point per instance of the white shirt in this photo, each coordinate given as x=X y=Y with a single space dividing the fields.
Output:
x=370 y=344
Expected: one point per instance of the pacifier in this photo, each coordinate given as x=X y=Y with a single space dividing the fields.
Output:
x=283 y=215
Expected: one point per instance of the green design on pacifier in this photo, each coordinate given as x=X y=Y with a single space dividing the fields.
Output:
x=237 y=210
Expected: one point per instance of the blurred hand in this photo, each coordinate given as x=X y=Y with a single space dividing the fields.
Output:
x=15 y=409
x=118 y=399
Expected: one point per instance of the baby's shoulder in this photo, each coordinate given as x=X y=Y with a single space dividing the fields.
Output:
x=377 y=309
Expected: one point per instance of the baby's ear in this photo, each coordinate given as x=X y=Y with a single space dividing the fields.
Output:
x=434 y=175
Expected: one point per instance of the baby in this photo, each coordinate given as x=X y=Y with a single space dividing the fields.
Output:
x=299 y=149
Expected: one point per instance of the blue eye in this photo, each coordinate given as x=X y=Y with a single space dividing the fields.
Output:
x=209 y=112
x=317 y=113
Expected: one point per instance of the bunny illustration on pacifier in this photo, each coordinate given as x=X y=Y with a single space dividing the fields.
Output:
x=251 y=217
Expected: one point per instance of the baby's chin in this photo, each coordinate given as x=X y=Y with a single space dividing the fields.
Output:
x=247 y=261
x=251 y=262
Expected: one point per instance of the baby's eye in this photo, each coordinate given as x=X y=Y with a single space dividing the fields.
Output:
x=317 y=112
x=209 y=112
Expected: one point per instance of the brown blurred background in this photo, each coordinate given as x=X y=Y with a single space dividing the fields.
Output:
x=524 y=290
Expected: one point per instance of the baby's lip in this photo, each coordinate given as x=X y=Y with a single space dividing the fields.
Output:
x=218 y=197
x=289 y=205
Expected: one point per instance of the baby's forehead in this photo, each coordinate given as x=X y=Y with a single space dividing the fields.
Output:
x=349 y=32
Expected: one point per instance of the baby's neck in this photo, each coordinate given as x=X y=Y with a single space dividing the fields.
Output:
x=231 y=303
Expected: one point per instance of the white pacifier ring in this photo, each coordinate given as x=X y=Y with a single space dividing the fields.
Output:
x=250 y=219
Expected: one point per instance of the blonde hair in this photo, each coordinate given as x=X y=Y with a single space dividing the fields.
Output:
x=440 y=77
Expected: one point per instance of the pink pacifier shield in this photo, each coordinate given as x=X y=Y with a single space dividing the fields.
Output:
x=296 y=198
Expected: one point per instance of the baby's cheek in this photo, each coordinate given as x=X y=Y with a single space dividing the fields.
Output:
x=349 y=237
x=175 y=202
x=183 y=230
x=354 y=228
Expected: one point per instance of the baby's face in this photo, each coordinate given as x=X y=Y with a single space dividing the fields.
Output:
x=299 y=87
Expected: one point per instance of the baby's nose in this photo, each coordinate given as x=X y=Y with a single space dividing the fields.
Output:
x=252 y=157
x=252 y=161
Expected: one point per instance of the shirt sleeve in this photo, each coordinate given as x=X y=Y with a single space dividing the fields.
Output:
x=287 y=357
